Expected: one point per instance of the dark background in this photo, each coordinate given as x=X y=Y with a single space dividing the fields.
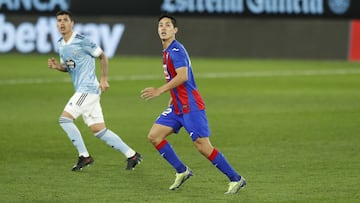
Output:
x=153 y=8
x=217 y=35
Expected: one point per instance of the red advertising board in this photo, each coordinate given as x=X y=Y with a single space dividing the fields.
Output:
x=354 y=44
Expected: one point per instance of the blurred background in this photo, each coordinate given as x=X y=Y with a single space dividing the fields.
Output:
x=281 y=29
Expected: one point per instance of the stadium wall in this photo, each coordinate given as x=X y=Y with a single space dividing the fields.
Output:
x=312 y=29
x=246 y=38
x=214 y=37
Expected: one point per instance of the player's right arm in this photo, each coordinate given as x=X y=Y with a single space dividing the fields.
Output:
x=152 y=92
x=53 y=64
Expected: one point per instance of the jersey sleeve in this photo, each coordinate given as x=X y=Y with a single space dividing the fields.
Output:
x=179 y=58
x=91 y=47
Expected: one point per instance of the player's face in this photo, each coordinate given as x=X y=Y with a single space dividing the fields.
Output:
x=64 y=24
x=166 y=29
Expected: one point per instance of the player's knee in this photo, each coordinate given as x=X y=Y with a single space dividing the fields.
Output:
x=158 y=133
x=199 y=147
x=96 y=128
x=64 y=119
x=151 y=137
x=155 y=139
x=203 y=146
x=205 y=151
x=96 y=131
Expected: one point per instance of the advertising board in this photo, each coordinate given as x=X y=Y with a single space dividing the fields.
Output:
x=318 y=29
x=345 y=9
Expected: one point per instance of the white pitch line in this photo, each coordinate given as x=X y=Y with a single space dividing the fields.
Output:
x=200 y=75
x=281 y=73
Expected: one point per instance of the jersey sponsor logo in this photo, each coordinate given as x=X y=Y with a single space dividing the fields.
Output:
x=166 y=73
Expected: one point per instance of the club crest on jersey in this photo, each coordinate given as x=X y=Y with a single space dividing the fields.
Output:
x=70 y=63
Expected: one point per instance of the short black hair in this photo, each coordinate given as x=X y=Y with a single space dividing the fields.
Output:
x=172 y=18
x=63 y=12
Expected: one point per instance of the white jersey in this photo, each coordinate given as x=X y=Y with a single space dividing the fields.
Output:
x=78 y=54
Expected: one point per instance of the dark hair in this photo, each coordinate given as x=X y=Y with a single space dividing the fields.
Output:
x=172 y=18
x=64 y=13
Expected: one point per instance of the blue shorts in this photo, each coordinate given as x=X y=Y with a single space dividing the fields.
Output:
x=195 y=123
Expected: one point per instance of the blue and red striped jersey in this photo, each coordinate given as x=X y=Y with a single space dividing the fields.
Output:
x=185 y=97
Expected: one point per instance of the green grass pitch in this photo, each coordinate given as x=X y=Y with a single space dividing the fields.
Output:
x=290 y=127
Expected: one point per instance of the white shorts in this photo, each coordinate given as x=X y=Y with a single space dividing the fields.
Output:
x=87 y=105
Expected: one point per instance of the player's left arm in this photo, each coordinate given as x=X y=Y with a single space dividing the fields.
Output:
x=180 y=78
x=104 y=85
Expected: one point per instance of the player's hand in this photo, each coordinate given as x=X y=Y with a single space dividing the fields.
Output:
x=104 y=85
x=52 y=63
x=150 y=93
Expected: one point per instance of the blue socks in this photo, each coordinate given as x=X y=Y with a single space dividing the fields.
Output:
x=218 y=160
x=166 y=151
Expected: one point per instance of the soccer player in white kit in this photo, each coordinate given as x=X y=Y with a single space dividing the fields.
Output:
x=77 y=57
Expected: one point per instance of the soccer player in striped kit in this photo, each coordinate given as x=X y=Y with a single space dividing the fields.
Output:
x=77 y=57
x=186 y=109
